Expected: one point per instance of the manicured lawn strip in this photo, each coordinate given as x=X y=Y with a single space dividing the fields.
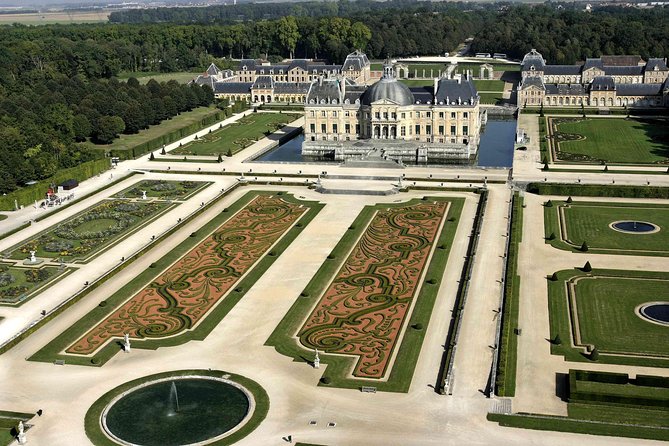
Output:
x=564 y=424
x=97 y=436
x=506 y=368
x=488 y=85
x=111 y=273
x=561 y=322
x=16 y=253
x=3 y=217
x=56 y=276
x=491 y=98
x=589 y=221
x=596 y=190
x=182 y=77
x=619 y=414
x=236 y=136
x=338 y=370
x=167 y=159
x=181 y=191
x=614 y=140
x=52 y=351
x=417 y=82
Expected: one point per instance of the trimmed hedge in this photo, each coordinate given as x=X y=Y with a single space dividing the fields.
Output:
x=596 y=190
x=29 y=194
x=617 y=389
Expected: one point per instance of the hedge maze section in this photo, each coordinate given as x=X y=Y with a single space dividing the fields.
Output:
x=600 y=311
x=200 y=282
x=569 y=225
x=377 y=298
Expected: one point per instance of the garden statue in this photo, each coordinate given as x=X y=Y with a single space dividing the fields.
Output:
x=126 y=342
x=400 y=183
x=317 y=360
x=21 y=437
x=143 y=195
x=33 y=259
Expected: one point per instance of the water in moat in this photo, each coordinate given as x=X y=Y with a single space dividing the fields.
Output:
x=495 y=148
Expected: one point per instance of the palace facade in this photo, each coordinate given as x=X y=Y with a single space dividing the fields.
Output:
x=389 y=120
x=258 y=81
x=607 y=81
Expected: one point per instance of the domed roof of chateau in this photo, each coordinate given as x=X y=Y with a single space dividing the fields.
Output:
x=388 y=88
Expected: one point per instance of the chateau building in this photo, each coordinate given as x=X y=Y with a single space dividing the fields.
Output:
x=607 y=81
x=392 y=121
x=257 y=81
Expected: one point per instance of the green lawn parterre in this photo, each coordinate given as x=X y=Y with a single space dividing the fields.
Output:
x=164 y=189
x=489 y=85
x=284 y=340
x=612 y=140
x=84 y=235
x=237 y=136
x=9 y=422
x=99 y=438
x=53 y=350
x=584 y=221
x=598 y=309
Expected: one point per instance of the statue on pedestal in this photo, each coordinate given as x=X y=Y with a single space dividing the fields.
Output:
x=317 y=360
x=21 y=437
x=143 y=195
x=126 y=342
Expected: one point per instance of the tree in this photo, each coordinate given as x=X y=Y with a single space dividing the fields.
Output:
x=288 y=34
x=359 y=36
x=108 y=128
x=81 y=127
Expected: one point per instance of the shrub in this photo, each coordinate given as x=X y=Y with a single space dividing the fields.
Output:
x=569 y=200
x=432 y=281
x=272 y=254
x=557 y=340
x=153 y=265
x=220 y=158
x=587 y=267
x=554 y=277
x=102 y=303
x=95 y=361
x=193 y=234
x=304 y=294
x=545 y=167
x=239 y=289
x=229 y=153
x=548 y=204
x=584 y=247
x=326 y=380
x=594 y=354
x=443 y=246
x=551 y=236
x=162 y=152
x=152 y=157
x=417 y=326
x=331 y=256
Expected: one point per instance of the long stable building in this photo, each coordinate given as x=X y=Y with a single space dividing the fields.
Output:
x=258 y=81
x=392 y=121
x=607 y=81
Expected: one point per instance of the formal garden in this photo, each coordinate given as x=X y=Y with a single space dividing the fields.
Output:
x=163 y=189
x=607 y=228
x=81 y=237
x=611 y=140
x=9 y=422
x=236 y=136
x=368 y=306
x=18 y=284
x=603 y=316
x=188 y=291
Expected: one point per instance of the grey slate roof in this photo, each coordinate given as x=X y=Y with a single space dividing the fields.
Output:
x=232 y=87
x=533 y=59
x=454 y=91
x=324 y=91
x=632 y=70
x=356 y=61
x=565 y=89
x=390 y=89
x=602 y=83
x=638 y=89
x=250 y=64
x=621 y=61
x=532 y=82
x=291 y=87
x=263 y=82
x=562 y=69
x=422 y=95
x=212 y=70
x=593 y=62
x=661 y=64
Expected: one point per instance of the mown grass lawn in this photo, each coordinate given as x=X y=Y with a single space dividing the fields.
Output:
x=145 y=76
x=618 y=140
x=237 y=136
x=578 y=222
x=489 y=85
x=491 y=98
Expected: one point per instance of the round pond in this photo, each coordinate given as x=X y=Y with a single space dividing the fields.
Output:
x=178 y=411
x=634 y=227
x=657 y=312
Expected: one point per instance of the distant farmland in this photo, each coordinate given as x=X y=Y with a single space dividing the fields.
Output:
x=47 y=18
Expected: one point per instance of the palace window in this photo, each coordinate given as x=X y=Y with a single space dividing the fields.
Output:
x=465 y=115
x=334 y=128
x=428 y=129
x=428 y=114
x=452 y=115
x=452 y=130
x=385 y=115
x=393 y=115
x=347 y=114
x=357 y=129
x=312 y=128
x=404 y=115
x=323 y=113
x=417 y=129
x=441 y=129
x=465 y=130
x=334 y=114
x=313 y=113
x=347 y=128
x=441 y=114
x=324 y=128
x=403 y=131
x=377 y=115
x=417 y=114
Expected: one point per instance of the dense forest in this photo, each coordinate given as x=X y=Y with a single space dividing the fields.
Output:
x=58 y=83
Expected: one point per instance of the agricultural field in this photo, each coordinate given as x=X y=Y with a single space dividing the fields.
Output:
x=569 y=225
x=236 y=136
x=611 y=140
x=374 y=295
x=51 y=18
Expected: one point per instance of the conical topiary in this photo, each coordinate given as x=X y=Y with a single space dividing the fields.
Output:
x=152 y=157
x=229 y=152
x=554 y=277
x=584 y=247
x=220 y=158
x=569 y=200
x=551 y=236
x=549 y=204
x=545 y=167
x=557 y=340
x=162 y=152
x=594 y=354
x=606 y=168
x=587 y=267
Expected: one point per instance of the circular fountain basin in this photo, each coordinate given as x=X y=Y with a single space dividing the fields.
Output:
x=656 y=312
x=178 y=411
x=634 y=227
